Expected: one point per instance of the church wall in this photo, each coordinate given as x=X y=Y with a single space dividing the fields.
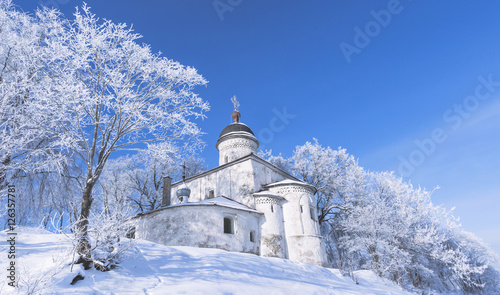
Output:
x=264 y=175
x=201 y=226
x=308 y=214
x=273 y=243
x=301 y=227
x=309 y=249
x=235 y=148
x=235 y=182
x=298 y=221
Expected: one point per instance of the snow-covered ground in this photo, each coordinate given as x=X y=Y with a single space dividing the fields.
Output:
x=43 y=260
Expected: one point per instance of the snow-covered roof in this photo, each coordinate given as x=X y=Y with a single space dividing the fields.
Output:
x=290 y=182
x=218 y=201
x=267 y=194
x=226 y=202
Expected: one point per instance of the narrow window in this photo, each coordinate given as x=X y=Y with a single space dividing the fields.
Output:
x=228 y=225
x=225 y=160
x=312 y=214
x=252 y=236
x=301 y=209
x=272 y=208
x=211 y=194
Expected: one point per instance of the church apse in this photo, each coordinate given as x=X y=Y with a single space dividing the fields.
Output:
x=303 y=240
x=273 y=242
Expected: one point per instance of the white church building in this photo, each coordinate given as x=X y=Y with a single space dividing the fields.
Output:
x=246 y=204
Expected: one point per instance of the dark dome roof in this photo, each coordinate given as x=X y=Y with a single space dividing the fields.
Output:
x=235 y=127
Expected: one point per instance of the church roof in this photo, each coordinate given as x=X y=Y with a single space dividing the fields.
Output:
x=287 y=181
x=291 y=182
x=224 y=202
x=218 y=201
x=236 y=162
x=236 y=127
x=267 y=194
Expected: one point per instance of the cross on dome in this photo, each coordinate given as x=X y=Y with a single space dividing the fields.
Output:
x=235 y=114
x=235 y=102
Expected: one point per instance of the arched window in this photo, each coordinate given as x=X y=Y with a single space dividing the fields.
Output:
x=226 y=160
x=252 y=236
x=312 y=213
x=228 y=225
x=272 y=208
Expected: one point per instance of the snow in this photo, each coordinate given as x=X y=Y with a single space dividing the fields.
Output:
x=288 y=181
x=219 y=201
x=158 y=269
x=268 y=193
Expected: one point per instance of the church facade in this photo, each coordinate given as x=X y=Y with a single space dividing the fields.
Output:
x=246 y=204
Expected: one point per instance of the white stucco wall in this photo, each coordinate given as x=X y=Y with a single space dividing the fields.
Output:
x=273 y=241
x=235 y=182
x=264 y=174
x=238 y=181
x=309 y=249
x=200 y=226
x=304 y=242
x=234 y=148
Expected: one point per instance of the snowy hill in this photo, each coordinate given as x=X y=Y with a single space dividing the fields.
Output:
x=157 y=269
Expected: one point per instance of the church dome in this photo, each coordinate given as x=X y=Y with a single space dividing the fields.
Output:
x=236 y=127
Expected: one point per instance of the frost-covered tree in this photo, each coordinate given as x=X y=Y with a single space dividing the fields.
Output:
x=404 y=237
x=47 y=195
x=139 y=178
x=379 y=222
x=125 y=96
x=86 y=87
x=334 y=173
x=32 y=137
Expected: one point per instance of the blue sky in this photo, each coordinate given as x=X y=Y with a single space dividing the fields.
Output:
x=405 y=99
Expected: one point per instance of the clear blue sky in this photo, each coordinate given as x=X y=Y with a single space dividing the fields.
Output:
x=411 y=78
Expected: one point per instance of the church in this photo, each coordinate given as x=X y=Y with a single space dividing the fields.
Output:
x=246 y=204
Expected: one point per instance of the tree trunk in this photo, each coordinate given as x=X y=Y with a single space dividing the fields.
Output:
x=84 y=246
x=61 y=222
x=3 y=172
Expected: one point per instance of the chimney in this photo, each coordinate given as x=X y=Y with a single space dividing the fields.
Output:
x=167 y=182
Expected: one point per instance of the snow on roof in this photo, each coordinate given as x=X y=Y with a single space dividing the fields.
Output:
x=220 y=201
x=290 y=182
x=287 y=181
x=268 y=194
